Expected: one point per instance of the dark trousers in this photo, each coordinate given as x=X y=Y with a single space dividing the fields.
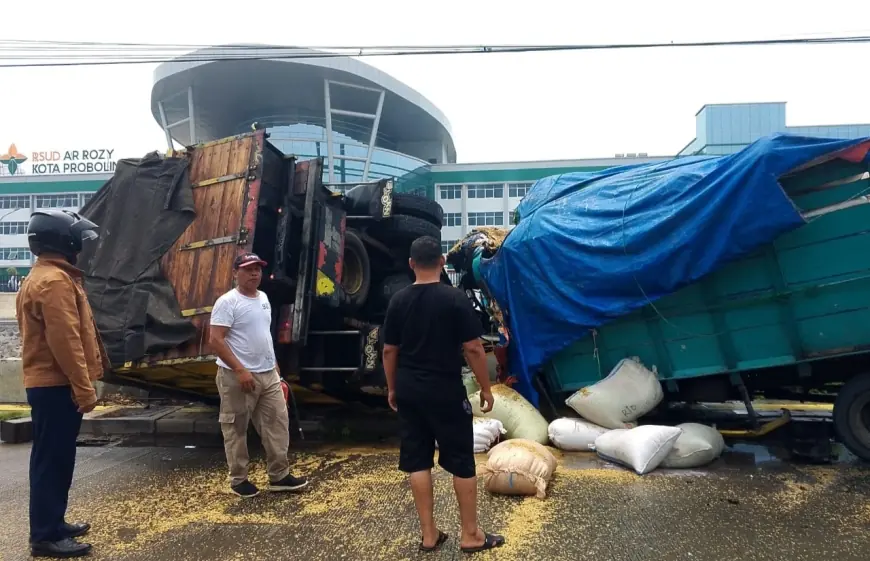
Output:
x=56 y=424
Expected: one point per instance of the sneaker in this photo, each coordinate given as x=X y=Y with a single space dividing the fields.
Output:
x=289 y=483
x=245 y=489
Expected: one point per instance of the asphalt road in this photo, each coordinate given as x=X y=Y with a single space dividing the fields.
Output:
x=172 y=503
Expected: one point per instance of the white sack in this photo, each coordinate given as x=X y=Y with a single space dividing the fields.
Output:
x=643 y=448
x=698 y=445
x=519 y=417
x=574 y=434
x=626 y=394
x=486 y=433
x=519 y=467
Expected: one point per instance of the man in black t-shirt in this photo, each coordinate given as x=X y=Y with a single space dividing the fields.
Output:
x=427 y=328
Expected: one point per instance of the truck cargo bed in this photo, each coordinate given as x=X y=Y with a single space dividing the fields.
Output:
x=214 y=201
x=802 y=298
x=172 y=227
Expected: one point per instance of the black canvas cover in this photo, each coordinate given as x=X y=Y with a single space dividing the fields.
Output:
x=141 y=212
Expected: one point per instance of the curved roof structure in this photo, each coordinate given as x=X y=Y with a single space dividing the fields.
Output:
x=230 y=95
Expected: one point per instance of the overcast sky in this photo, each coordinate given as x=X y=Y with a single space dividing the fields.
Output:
x=502 y=107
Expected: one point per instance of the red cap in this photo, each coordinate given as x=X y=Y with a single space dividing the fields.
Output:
x=248 y=259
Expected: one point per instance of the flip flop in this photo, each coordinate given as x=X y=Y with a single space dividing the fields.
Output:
x=490 y=541
x=442 y=537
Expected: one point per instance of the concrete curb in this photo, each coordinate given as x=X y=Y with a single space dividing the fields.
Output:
x=189 y=421
x=200 y=424
x=12 y=385
x=16 y=431
x=20 y=430
x=136 y=421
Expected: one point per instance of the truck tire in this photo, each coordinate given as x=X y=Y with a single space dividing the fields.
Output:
x=391 y=286
x=852 y=416
x=419 y=207
x=356 y=277
x=403 y=229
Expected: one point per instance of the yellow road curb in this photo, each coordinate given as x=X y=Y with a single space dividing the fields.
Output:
x=16 y=408
x=13 y=408
x=772 y=406
x=794 y=406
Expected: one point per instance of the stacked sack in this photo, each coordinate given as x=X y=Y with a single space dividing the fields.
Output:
x=486 y=433
x=521 y=465
x=519 y=417
x=629 y=392
x=610 y=409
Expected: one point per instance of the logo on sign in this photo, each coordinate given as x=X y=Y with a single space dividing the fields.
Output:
x=12 y=159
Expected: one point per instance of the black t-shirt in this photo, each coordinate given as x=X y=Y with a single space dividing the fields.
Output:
x=429 y=323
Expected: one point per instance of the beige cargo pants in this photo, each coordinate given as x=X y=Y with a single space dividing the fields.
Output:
x=265 y=406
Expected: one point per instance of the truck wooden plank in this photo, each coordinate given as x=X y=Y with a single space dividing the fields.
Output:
x=175 y=225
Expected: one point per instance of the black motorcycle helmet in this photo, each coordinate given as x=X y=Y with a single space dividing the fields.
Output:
x=59 y=231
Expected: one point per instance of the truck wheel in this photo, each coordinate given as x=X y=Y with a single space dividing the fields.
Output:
x=356 y=276
x=392 y=285
x=402 y=228
x=852 y=416
x=419 y=207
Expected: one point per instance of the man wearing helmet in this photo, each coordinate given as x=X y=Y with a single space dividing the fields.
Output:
x=62 y=357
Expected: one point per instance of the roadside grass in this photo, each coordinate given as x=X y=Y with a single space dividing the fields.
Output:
x=9 y=415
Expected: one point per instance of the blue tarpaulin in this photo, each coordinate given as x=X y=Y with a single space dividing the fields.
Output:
x=591 y=247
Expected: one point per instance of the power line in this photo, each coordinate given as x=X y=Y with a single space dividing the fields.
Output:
x=32 y=54
x=30 y=43
x=26 y=43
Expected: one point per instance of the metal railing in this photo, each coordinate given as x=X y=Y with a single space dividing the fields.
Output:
x=10 y=283
x=454 y=277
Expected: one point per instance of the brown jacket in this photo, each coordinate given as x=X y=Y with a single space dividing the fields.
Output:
x=59 y=340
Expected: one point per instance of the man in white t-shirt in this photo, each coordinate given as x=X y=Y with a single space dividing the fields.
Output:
x=248 y=380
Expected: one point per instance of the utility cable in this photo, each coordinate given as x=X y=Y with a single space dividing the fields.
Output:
x=30 y=54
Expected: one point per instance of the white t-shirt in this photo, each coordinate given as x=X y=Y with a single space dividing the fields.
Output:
x=250 y=334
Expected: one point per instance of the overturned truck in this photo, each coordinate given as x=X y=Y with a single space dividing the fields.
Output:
x=734 y=278
x=171 y=227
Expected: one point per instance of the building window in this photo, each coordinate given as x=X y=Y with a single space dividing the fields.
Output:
x=13 y=228
x=14 y=201
x=57 y=201
x=447 y=245
x=14 y=254
x=453 y=219
x=486 y=191
x=449 y=192
x=86 y=197
x=486 y=219
x=519 y=190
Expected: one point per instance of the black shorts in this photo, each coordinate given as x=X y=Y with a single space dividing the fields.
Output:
x=422 y=422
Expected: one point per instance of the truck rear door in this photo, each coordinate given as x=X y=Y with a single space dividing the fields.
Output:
x=225 y=176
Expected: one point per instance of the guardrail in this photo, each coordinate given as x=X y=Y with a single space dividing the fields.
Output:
x=10 y=283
